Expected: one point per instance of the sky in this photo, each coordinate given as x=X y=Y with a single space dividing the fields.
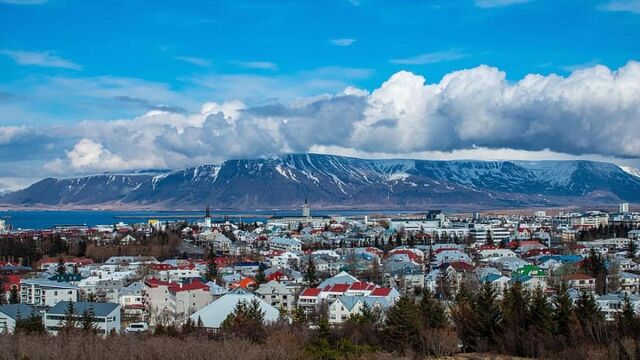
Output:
x=89 y=87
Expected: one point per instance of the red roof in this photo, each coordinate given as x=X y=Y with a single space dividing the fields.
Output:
x=276 y=275
x=340 y=288
x=361 y=285
x=11 y=280
x=446 y=249
x=194 y=285
x=381 y=291
x=312 y=292
x=461 y=266
x=161 y=267
x=154 y=283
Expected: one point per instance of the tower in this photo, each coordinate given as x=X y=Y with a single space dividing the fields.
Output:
x=305 y=209
x=207 y=218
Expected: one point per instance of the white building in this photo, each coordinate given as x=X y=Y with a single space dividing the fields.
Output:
x=285 y=244
x=277 y=295
x=9 y=314
x=46 y=293
x=107 y=316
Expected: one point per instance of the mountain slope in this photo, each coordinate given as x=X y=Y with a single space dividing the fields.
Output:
x=336 y=181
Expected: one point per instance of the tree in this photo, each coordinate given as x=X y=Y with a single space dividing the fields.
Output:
x=29 y=325
x=14 y=296
x=540 y=315
x=489 y=238
x=310 y=275
x=247 y=321
x=627 y=319
x=633 y=248
x=212 y=270
x=2 y=293
x=489 y=317
x=88 y=320
x=260 y=277
x=402 y=327
x=515 y=308
x=563 y=311
x=70 y=315
x=62 y=268
x=432 y=311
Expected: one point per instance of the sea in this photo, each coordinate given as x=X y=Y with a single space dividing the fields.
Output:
x=46 y=219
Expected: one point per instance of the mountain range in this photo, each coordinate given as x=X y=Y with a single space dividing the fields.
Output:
x=328 y=181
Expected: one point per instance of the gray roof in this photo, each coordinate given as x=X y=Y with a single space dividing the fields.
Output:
x=99 y=309
x=48 y=283
x=13 y=310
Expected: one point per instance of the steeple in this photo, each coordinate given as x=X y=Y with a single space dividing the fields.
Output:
x=305 y=209
x=207 y=212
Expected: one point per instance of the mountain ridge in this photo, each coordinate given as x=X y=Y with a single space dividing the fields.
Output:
x=340 y=181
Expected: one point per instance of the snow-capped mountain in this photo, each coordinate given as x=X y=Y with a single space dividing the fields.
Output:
x=337 y=181
x=631 y=170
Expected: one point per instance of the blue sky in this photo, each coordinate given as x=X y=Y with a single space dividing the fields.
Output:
x=63 y=61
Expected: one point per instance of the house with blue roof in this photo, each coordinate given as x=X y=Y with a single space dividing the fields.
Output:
x=106 y=316
x=10 y=314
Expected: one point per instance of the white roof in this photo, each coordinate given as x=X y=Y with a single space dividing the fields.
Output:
x=215 y=313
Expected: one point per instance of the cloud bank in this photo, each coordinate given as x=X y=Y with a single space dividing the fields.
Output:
x=595 y=111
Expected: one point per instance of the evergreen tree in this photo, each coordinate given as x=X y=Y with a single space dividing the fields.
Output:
x=2 y=293
x=260 y=277
x=61 y=270
x=246 y=320
x=627 y=319
x=587 y=310
x=489 y=238
x=30 y=325
x=88 y=320
x=433 y=313
x=14 y=296
x=70 y=321
x=212 y=270
x=633 y=248
x=515 y=308
x=299 y=316
x=489 y=317
x=540 y=312
x=563 y=311
x=310 y=275
x=402 y=326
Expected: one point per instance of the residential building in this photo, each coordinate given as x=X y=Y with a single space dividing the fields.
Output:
x=106 y=315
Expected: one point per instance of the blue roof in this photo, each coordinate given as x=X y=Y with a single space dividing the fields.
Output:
x=99 y=309
x=491 y=277
x=13 y=310
x=565 y=259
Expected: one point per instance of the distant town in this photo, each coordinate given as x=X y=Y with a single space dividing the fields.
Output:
x=330 y=272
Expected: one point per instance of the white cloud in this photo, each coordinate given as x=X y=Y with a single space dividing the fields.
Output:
x=8 y=133
x=475 y=113
x=632 y=6
x=343 y=41
x=194 y=60
x=431 y=58
x=262 y=65
x=498 y=3
x=44 y=59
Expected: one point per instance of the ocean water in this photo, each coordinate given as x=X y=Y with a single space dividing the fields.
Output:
x=45 y=219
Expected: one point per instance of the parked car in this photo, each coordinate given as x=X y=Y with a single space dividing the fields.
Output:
x=137 y=327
